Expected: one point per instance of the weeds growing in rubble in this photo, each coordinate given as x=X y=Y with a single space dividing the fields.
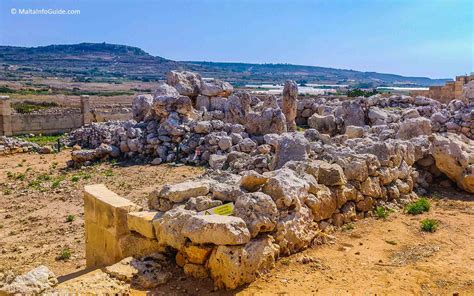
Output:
x=429 y=225
x=418 y=207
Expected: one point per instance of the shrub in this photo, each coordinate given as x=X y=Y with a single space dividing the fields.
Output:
x=31 y=106
x=418 y=207
x=75 y=178
x=65 y=254
x=348 y=226
x=357 y=92
x=70 y=218
x=381 y=212
x=108 y=173
x=429 y=225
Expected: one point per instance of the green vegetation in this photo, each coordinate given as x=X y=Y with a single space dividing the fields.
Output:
x=418 y=207
x=108 y=173
x=357 y=92
x=43 y=140
x=65 y=254
x=391 y=242
x=33 y=106
x=57 y=181
x=70 y=218
x=16 y=176
x=30 y=106
x=429 y=225
x=348 y=226
x=75 y=178
x=37 y=184
x=381 y=212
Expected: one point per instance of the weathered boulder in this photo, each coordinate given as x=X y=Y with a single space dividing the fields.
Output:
x=322 y=203
x=186 y=83
x=216 y=88
x=290 y=146
x=168 y=228
x=354 y=131
x=330 y=174
x=371 y=187
x=201 y=203
x=237 y=107
x=377 y=116
x=216 y=229
x=295 y=231
x=289 y=108
x=141 y=107
x=259 y=212
x=325 y=124
x=163 y=97
x=34 y=282
x=233 y=266
x=270 y=120
x=183 y=191
x=414 y=127
x=252 y=181
x=217 y=161
x=352 y=113
x=454 y=156
x=285 y=188
x=203 y=127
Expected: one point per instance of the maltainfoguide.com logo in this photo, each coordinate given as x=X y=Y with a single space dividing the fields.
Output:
x=44 y=11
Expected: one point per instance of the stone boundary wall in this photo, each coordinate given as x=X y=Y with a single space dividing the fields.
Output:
x=18 y=124
x=44 y=124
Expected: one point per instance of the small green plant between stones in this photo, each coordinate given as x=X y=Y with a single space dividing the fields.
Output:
x=418 y=207
x=429 y=225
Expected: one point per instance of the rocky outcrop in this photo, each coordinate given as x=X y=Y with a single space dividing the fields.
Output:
x=234 y=266
x=186 y=83
x=34 y=282
x=454 y=156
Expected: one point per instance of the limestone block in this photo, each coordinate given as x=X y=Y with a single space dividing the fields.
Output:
x=197 y=254
x=136 y=245
x=142 y=222
x=110 y=210
x=216 y=229
x=105 y=222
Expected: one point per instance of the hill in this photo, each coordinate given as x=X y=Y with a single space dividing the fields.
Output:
x=109 y=62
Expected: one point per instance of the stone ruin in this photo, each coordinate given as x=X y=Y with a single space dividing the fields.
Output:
x=9 y=145
x=288 y=187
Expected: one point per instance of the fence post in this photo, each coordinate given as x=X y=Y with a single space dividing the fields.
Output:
x=85 y=110
x=5 y=116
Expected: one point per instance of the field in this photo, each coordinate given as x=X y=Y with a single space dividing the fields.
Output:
x=41 y=222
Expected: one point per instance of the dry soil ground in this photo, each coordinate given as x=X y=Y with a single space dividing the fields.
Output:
x=369 y=257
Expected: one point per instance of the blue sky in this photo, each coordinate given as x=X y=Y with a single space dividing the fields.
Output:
x=431 y=38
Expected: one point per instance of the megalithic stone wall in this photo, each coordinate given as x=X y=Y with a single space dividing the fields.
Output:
x=108 y=238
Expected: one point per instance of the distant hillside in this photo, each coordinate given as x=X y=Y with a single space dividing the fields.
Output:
x=85 y=61
x=277 y=72
x=109 y=62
